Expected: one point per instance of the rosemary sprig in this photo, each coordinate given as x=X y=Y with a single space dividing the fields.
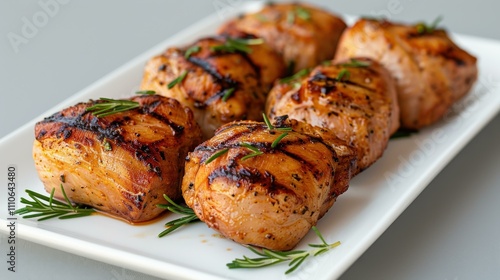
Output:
x=303 y=13
x=300 y=13
x=191 y=50
x=270 y=126
x=255 y=150
x=177 y=80
x=227 y=93
x=146 y=92
x=38 y=207
x=188 y=216
x=290 y=17
x=423 y=28
x=216 y=155
x=110 y=106
x=271 y=257
x=278 y=139
x=237 y=44
x=356 y=63
x=295 y=76
x=344 y=74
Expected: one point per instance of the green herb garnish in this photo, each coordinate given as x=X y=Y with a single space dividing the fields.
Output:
x=356 y=63
x=290 y=17
x=188 y=216
x=423 y=28
x=271 y=257
x=146 y=92
x=344 y=74
x=300 y=13
x=227 y=93
x=107 y=145
x=191 y=50
x=216 y=155
x=295 y=76
x=255 y=150
x=110 y=106
x=237 y=44
x=270 y=126
x=177 y=80
x=38 y=208
x=278 y=139
x=303 y=13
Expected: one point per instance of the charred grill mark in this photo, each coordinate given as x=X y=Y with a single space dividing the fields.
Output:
x=327 y=84
x=112 y=131
x=251 y=176
x=226 y=82
x=149 y=109
x=82 y=122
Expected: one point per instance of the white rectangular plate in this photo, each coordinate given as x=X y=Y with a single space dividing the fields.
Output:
x=374 y=200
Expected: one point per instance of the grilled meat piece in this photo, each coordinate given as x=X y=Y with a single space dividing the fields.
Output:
x=221 y=84
x=355 y=99
x=121 y=164
x=303 y=34
x=430 y=70
x=272 y=199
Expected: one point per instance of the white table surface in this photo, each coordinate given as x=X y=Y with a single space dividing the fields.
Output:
x=450 y=232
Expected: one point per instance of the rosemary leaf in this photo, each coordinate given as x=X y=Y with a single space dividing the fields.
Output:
x=290 y=17
x=146 y=92
x=278 y=139
x=423 y=28
x=177 y=80
x=188 y=216
x=344 y=74
x=227 y=93
x=303 y=13
x=270 y=257
x=356 y=63
x=237 y=45
x=216 y=155
x=110 y=106
x=295 y=76
x=191 y=50
x=267 y=121
x=38 y=207
x=255 y=150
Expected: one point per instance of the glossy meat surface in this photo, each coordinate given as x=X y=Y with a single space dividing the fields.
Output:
x=430 y=70
x=355 y=99
x=303 y=34
x=270 y=200
x=121 y=164
x=210 y=74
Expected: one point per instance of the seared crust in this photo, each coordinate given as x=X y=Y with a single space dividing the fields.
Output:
x=121 y=164
x=270 y=200
x=360 y=108
x=430 y=70
x=210 y=74
x=303 y=34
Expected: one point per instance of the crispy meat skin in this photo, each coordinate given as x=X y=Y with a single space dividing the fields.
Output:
x=273 y=199
x=361 y=109
x=430 y=70
x=303 y=34
x=121 y=164
x=210 y=74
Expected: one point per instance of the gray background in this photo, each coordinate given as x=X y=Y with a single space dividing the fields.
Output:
x=451 y=230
